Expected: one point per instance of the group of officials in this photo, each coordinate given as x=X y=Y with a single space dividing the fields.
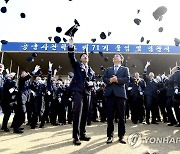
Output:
x=46 y=100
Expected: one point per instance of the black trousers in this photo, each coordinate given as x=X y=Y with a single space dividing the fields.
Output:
x=61 y=112
x=36 y=112
x=90 y=112
x=70 y=112
x=1 y=98
x=80 y=110
x=102 y=111
x=137 y=109
x=55 y=106
x=169 y=106
x=46 y=111
x=177 y=110
x=151 y=106
x=6 y=108
x=20 y=111
x=162 y=105
x=19 y=116
x=113 y=102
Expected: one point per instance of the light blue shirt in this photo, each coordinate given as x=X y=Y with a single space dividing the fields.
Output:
x=116 y=67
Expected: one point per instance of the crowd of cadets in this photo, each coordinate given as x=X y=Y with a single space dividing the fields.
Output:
x=47 y=100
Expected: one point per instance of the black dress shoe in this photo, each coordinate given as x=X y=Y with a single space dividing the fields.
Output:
x=5 y=129
x=154 y=122
x=85 y=138
x=165 y=120
x=89 y=123
x=159 y=120
x=178 y=125
x=28 y=123
x=147 y=122
x=171 y=124
x=109 y=140
x=121 y=140
x=69 y=122
x=64 y=123
x=41 y=126
x=95 y=120
x=134 y=122
x=21 y=128
x=18 y=131
x=116 y=120
x=76 y=142
x=55 y=124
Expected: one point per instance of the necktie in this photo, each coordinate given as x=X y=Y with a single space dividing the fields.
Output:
x=86 y=69
x=115 y=69
x=137 y=82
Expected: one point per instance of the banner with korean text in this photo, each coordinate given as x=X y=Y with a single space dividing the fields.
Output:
x=80 y=47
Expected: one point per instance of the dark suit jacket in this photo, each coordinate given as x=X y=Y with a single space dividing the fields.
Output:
x=175 y=79
x=8 y=84
x=169 y=87
x=151 y=85
x=137 y=87
x=2 y=79
x=79 y=81
x=118 y=88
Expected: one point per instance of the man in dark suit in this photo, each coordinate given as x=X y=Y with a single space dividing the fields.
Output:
x=169 y=87
x=2 y=79
x=175 y=79
x=137 y=94
x=9 y=92
x=81 y=86
x=22 y=98
x=151 y=95
x=115 y=78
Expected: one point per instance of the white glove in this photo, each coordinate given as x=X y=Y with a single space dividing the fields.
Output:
x=13 y=97
x=141 y=93
x=100 y=105
x=33 y=93
x=7 y=71
x=55 y=71
x=176 y=91
x=37 y=67
x=50 y=66
x=90 y=83
x=147 y=64
x=71 y=42
x=11 y=90
x=59 y=99
x=163 y=76
x=49 y=93
x=129 y=88
x=70 y=99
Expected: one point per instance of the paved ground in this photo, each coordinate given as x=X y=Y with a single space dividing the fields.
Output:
x=57 y=139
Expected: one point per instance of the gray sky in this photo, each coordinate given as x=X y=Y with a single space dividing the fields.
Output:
x=94 y=16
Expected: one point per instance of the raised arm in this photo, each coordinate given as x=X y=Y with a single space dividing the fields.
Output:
x=145 y=70
x=71 y=53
